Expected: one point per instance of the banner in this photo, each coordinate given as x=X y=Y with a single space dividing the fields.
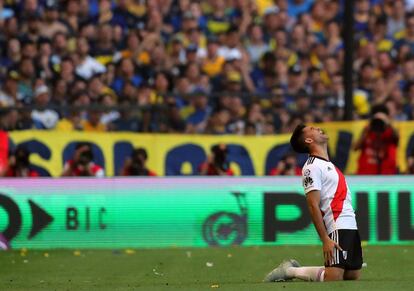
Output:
x=190 y=212
x=174 y=155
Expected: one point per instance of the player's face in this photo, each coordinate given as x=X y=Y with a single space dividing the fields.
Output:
x=315 y=134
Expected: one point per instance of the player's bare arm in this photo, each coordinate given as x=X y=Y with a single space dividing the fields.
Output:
x=313 y=200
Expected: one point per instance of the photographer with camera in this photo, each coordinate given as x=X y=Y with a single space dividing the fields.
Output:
x=82 y=164
x=216 y=164
x=288 y=166
x=135 y=165
x=378 y=144
x=19 y=164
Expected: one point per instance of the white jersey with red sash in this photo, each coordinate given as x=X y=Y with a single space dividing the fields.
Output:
x=335 y=198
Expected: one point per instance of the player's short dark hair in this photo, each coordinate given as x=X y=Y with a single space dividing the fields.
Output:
x=297 y=140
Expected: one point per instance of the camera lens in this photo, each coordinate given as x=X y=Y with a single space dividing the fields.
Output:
x=378 y=125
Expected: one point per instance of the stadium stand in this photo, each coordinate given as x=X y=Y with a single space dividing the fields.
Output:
x=199 y=66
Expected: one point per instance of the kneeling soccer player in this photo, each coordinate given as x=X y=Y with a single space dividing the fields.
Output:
x=329 y=201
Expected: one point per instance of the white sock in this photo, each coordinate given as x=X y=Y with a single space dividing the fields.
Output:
x=313 y=274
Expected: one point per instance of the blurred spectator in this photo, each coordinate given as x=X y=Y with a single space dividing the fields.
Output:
x=264 y=69
x=296 y=80
x=67 y=70
x=43 y=118
x=9 y=120
x=256 y=118
x=250 y=129
x=71 y=15
x=108 y=115
x=361 y=14
x=230 y=49
x=126 y=121
x=71 y=122
x=173 y=121
x=271 y=21
x=96 y=88
x=217 y=163
x=87 y=66
x=146 y=51
x=237 y=123
x=233 y=82
x=93 y=121
x=135 y=165
x=196 y=121
x=9 y=94
x=378 y=145
x=269 y=128
x=126 y=72
x=82 y=163
x=288 y=166
x=277 y=112
x=19 y=164
x=301 y=104
x=51 y=24
x=395 y=21
x=213 y=62
x=13 y=54
x=26 y=80
x=218 y=122
x=61 y=49
x=256 y=46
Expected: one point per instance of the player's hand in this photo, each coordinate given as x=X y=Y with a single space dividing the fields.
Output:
x=328 y=250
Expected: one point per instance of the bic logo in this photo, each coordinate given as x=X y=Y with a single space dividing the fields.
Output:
x=40 y=218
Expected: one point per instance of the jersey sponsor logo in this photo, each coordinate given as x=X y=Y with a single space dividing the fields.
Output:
x=307 y=173
x=307 y=182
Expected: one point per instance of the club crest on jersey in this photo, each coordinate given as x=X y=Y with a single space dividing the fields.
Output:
x=306 y=173
x=307 y=182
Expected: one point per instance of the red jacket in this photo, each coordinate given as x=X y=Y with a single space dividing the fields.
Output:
x=96 y=170
x=12 y=173
x=211 y=170
x=379 y=153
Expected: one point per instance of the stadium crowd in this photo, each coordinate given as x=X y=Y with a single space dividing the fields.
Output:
x=216 y=67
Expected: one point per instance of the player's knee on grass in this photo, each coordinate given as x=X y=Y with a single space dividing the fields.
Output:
x=352 y=275
x=334 y=274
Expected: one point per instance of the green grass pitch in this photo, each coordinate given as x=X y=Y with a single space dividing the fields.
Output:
x=231 y=268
